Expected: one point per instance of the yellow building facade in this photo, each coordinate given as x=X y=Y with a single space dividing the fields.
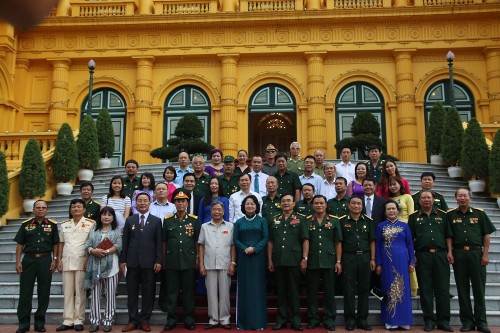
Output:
x=254 y=71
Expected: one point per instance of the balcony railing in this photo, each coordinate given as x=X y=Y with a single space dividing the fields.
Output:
x=267 y=5
x=359 y=4
x=103 y=8
x=427 y=3
x=169 y=7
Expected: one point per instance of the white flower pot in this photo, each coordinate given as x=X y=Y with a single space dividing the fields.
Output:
x=28 y=205
x=85 y=174
x=64 y=188
x=104 y=163
x=436 y=159
x=478 y=185
x=455 y=172
x=498 y=202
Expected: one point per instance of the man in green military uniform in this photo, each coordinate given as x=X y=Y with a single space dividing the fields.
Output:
x=427 y=180
x=288 y=182
x=92 y=207
x=295 y=163
x=324 y=243
x=37 y=238
x=202 y=179
x=338 y=206
x=271 y=205
x=305 y=206
x=358 y=260
x=131 y=182
x=288 y=241
x=180 y=236
x=229 y=180
x=430 y=233
x=471 y=229
x=375 y=164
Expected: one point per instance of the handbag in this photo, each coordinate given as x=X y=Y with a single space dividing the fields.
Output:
x=105 y=244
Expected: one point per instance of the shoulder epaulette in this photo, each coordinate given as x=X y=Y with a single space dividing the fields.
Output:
x=416 y=211
x=341 y=217
x=441 y=210
x=97 y=202
x=335 y=216
x=451 y=209
x=308 y=217
x=367 y=217
x=300 y=214
x=416 y=192
x=478 y=209
x=193 y=216
x=67 y=220
x=168 y=216
x=52 y=221
x=28 y=220
x=90 y=220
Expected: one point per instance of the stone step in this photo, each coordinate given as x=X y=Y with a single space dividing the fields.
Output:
x=10 y=276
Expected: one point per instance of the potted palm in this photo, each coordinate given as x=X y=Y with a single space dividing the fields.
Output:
x=451 y=142
x=65 y=161
x=475 y=155
x=106 y=139
x=433 y=134
x=32 y=179
x=88 y=149
x=494 y=166
x=4 y=185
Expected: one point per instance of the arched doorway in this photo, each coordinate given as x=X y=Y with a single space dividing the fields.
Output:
x=182 y=101
x=272 y=119
x=113 y=101
x=440 y=92
x=357 y=97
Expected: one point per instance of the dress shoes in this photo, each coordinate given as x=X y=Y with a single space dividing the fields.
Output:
x=392 y=329
x=298 y=328
x=312 y=326
x=168 y=327
x=40 y=329
x=189 y=326
x=428 y=328
x=349 y=327
x=79 y=327
x=210 y=327
x=329 y=327
x=107 y=328
x=145 y=327
x=279 y=326
x=466 y=328
x=93 y=328
x=365 y=327
x=445 y=328
x=226 y=326
x=22 y=330
x=64 y=328
x=129 y=328
x=483 y=329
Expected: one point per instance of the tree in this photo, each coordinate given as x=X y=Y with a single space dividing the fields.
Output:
x=475 y=153
x=32 y=180
x=433 y=134
x=365 y=132
x=4 y=185
x=105 y=134
x=494 y=164
x=188 y=138
x=451 y=138
x=65 y=161
x=87 y=144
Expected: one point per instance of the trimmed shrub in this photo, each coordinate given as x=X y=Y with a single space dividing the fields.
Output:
x=87 y=145
x=475 y=153
x=4 y=185
x=494 y=164
x=105 y=134
x=65 y=161
x=451 y=138
x=32 y=180
x=433 y=134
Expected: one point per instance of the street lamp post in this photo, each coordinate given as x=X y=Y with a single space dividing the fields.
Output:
x=91 y=66
x=450 y=57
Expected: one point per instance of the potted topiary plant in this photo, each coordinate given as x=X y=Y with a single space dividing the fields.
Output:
x=4 y=185
x=433 y=134
x=494 y=166
x=88 y=149
x=106 y=139
x=65 y=161
x=451 y=142
x=475 y=155
x=32 y=179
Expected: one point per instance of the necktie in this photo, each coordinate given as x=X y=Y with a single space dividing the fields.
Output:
x=369 y=206
x=256 y=183
x=142 y=221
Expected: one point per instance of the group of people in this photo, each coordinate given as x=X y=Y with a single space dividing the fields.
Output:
x=354 y=227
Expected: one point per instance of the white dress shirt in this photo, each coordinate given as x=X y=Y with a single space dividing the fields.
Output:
x=262 y=182
x=161 y=211
x=235 y=201
x=327 y=189
x=346 y=170
x=312 y=179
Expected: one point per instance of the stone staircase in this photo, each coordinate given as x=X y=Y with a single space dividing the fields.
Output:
x=58 y=210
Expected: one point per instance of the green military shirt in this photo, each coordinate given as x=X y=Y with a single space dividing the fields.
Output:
x=296 y=166
x=129 y=186
x=429 y=231
x=320 y=171
x=288 y=183
x=375 y=171
x=338 y=207
x=180 y=238
x=270 y=208
x=229 y=186
x=92 y=209
x=37 y=237
x=287 y=236
x=469 y=228
x=356 y=235
x=304 y=208
x=322 y=241
x=439 y=202
x=202 y=185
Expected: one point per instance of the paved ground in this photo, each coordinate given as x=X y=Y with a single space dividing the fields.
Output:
x=199 y=328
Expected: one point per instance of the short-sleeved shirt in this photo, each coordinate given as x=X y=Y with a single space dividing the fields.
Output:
x=375 y=171
x=287 y=236
x=269 y=169
x=338 y=207
x=270 y=208
x=202 y=185
x=229 y=186
x=304 y=208
x=180 y=175
x=129 y=186
x=322 y=239
x=288 y=183
x=439 y=201
x=429 y=231
x=356 y=235
x=218 y=241
x=180 y=238
x=313 y=179
x=296 y=166
x=469 y=228
x=37 y=237
x=92 y=209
